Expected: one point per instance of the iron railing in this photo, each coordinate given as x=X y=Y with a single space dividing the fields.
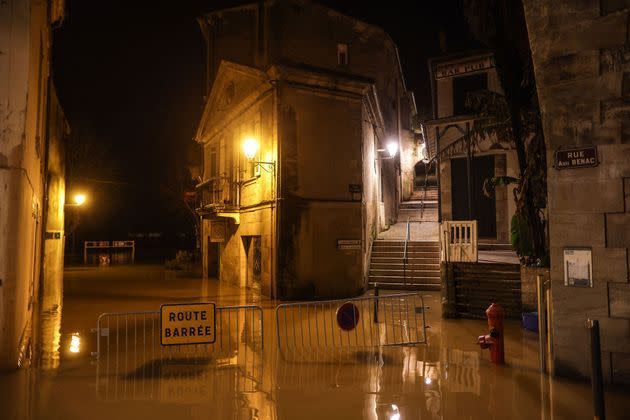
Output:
x=218 y=192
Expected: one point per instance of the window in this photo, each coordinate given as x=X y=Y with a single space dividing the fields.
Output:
x=213 y=162
x=462 y=86
x=342 y=54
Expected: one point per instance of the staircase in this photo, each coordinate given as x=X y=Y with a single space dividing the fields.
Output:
x=422 y=270
x=419 y=201
x=432 y=193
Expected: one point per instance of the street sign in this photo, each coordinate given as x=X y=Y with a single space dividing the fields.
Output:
x=348 y=316
x=348 y=243
x=187 y=323
x=457 y=69
x=583 y=157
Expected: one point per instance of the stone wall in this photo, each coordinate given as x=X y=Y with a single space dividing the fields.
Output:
x=330 y=119
x=581 y=54
x=409 y=156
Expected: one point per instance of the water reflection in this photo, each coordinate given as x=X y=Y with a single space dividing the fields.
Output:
x=135 y=377
x=75 y=343
x=50 y=337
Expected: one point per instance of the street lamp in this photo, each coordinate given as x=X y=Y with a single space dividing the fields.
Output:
x=250 y=148
x=78 y=200
x=391 y=149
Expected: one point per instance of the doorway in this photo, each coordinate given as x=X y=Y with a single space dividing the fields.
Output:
x=253 y=254
x=482 y=208
x=213 y=259
x=424 y=173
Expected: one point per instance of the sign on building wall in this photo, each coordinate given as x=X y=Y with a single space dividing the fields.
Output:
x=444 y=71
x=218 y=231
x=583 y=157
x=348 y=244
x=578 y=267
x=187 y=323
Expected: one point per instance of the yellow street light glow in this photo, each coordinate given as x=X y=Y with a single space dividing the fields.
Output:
x=79 y=199
x=75 y=343
x=250 y=147
x=392 y=148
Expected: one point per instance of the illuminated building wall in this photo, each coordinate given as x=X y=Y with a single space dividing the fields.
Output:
x=24 y=137
x=322 y=93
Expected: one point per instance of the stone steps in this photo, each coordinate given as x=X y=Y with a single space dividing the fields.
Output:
x=421 y=271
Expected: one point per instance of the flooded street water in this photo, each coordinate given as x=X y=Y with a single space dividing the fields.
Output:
x=249 y=374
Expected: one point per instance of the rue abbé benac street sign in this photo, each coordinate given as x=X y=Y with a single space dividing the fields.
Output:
x=187 y=323
x=583 y=157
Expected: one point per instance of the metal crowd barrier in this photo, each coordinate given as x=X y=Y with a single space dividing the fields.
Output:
x=383 y=320
x=128 y=347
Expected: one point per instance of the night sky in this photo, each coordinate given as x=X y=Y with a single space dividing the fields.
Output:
x=130 y=76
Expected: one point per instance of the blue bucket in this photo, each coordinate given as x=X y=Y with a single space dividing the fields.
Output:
x=530 y=321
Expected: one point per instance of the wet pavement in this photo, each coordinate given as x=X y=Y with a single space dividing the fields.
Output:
x=249 y=374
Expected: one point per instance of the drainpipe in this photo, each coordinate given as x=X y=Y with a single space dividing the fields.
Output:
x=469 y=171
x=278 y=186
x=438 y=172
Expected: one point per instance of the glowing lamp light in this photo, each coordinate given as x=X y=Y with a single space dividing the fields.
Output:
x=392 y=148
x=75 y=343
x=79 y=199
x=250 y=147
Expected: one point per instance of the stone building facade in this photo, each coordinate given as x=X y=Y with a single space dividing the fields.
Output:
x=461 y=169
x=322 y=94
x=30 y=120
x=581 y=54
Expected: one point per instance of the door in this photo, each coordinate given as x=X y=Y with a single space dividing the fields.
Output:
x=254 y=264
x=483 y=208
x=213 y=259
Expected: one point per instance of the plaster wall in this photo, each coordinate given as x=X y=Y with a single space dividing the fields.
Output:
x=24 y=64
x=319 y=163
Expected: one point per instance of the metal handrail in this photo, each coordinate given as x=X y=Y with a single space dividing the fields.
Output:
x=405 y=254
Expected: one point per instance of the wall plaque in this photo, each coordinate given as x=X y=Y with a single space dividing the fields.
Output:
x=348 y=244
x=578 y=267
x=218 y=231
x=583 y=157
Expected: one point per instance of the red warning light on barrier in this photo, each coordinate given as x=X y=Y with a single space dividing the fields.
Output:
x=347 y=316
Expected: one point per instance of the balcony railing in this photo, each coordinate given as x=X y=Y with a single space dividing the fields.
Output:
x=218 y=194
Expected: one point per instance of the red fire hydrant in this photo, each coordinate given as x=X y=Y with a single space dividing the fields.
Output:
x=494 y=340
